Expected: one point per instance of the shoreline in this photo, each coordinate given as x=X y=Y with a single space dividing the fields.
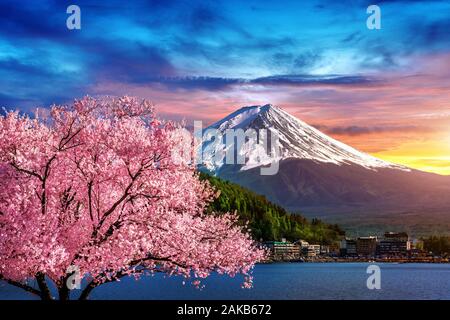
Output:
x=358 y=260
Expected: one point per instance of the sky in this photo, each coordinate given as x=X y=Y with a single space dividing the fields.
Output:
x=385 y=92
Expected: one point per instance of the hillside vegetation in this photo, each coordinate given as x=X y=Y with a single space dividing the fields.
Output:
x=439 y=245
x=267 y=220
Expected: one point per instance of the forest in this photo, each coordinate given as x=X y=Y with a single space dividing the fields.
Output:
x=267 y=220
x=439 y=245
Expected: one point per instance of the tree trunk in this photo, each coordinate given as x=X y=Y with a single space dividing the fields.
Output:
x=45 y=292
x=64 y=292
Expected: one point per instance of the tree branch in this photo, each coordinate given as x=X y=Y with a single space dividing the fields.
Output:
x=90 y=200
x=122 y=273
x=31 y=173
x=115 y=204
x=68 y=137
x=22 y=286
x=94 y=284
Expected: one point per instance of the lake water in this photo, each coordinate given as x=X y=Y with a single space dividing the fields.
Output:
x=286 y=281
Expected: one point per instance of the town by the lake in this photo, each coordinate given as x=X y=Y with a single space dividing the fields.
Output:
x=392 y=247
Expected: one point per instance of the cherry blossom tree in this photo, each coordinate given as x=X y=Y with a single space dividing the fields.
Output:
x=93 y=186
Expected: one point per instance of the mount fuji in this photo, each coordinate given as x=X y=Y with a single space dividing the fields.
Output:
x=325 y=178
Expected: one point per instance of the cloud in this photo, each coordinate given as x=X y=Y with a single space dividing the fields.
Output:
x=301 y=80
x=307 y=60
x=364 y=130
x=31 y=19
x=130 y=63
x=221 y=83
x=223 y=47
x=25 y=70
x=424 y=34
x=204 y=18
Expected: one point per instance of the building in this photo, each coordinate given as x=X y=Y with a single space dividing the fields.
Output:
x=343 y=247
x=302 y=243
x=283 y=249
x=366 y=246
x=348 y=247
x=324 y=249
x=394 y=244
x=334 y=249
x=312 y=250
x=398 y=236
x=309 y=250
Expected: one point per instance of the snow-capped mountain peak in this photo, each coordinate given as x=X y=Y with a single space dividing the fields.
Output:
x=297 y=139
x=241 y=117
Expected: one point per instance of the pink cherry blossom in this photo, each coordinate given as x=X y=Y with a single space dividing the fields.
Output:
x=93 y=185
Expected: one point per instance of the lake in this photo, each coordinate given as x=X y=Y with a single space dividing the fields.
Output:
x=285 y=281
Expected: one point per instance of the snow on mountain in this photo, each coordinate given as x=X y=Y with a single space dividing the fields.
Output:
x=297 y=139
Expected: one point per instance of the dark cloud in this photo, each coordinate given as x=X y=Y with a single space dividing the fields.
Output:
x=306 y=60
x=432 y=33
x=30 y=101
x=34 y=19
x=132 y=63
x=26 y=86
x=27 y=70
x=205 y=83
x=203 y=18
x=7 y=101
x=13 y=102
x=353 y=37
x=422 y=32
x=219 y=83
x=302 y=80
x=281 y=58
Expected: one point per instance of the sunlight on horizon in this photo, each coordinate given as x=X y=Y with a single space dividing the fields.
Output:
x=430 y=156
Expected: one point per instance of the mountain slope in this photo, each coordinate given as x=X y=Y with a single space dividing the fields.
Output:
x=323 y=177
x=297 y=138
x=267 y=220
